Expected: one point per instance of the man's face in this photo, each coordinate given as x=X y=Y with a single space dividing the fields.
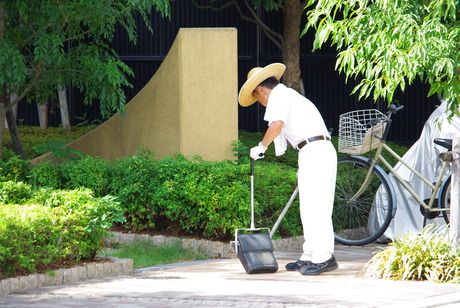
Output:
x=261 y=94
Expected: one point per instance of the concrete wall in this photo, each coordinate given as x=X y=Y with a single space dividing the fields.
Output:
x=189 y=106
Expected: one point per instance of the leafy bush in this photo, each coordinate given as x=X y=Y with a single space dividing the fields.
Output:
x=45 y=174
x=198 y=197
x=183 y=196
x=14 y=169
x=203 y=198
x=274 y=184
x=14 y=192
x=54 y=226
x=427 y=256
x=180 y=195
x=247 y=140
x=87 y=172
x=134 y=181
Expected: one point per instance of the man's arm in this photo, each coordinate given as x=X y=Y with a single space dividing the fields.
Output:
x=272 y=132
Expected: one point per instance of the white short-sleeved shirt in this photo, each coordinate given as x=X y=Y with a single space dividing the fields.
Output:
x=300 y=116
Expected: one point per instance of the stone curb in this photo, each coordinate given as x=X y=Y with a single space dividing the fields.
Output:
x=115 y=267
x=214 y=249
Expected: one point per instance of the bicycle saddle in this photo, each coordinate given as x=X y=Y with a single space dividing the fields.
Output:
x=447 y=143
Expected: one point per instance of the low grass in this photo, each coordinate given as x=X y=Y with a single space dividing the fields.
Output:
x=427 y=255
x=33 y=136
x=145 y=253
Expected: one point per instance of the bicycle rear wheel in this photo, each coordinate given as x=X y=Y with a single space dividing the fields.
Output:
x=445 y=199
x=360 y=219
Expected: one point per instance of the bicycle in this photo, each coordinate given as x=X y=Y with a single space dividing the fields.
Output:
x=365 y=201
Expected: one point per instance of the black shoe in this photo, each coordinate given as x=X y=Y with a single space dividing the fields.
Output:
x=294 y=266
x=318 y=268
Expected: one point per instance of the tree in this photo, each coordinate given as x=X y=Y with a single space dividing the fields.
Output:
x=47 y=45
x=389 y=44
x=288 y=42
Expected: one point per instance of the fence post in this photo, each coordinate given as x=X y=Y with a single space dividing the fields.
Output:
x=455 y=193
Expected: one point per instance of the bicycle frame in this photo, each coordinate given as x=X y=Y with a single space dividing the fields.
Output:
x=378 y=157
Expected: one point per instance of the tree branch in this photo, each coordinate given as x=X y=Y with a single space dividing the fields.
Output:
x=275 y=37
x=30 y=85
x=212 y=7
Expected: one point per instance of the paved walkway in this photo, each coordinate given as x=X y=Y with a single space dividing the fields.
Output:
x=223 y=283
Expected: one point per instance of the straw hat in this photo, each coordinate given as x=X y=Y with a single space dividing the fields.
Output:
x=255 y=77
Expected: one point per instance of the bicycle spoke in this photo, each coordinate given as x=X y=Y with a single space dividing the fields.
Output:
x=358 y=219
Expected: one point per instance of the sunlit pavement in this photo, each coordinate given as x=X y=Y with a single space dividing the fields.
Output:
x=223 y=283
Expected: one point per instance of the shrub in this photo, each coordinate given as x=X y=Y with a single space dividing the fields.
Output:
x=183 y=196
x=274 y=184
x=87 y=172
x=14 y=169
x=427 y=256
x=203 y=197
x=210 y=199
x=14 y=192
x=45 y=174
x=134 y=181
x=54 y=226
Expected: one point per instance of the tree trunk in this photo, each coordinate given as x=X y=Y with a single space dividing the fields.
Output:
x=2 y=116
x=13 y=129
x=14 y=108
x=64 y=107
x=43 y=115
x=292 y=15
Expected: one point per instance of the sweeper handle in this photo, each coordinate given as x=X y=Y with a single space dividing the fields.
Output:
x=252 y=194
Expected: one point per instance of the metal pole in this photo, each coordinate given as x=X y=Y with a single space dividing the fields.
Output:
x=252 y=194
x=455 y=193
x=283 y=213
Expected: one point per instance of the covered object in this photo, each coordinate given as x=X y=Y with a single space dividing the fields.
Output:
x=424 y=157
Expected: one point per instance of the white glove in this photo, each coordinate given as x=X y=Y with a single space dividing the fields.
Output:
x=258 y=151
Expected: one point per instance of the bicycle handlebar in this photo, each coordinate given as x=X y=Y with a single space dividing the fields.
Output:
x=392 y=109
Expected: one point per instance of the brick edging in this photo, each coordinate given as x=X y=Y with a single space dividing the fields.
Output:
x=114 y=267
x=214 y=249
x=118 y=267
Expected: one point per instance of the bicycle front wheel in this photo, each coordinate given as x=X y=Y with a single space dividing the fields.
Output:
x=360 y=219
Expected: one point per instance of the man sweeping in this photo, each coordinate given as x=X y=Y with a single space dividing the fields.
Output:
x=294 y=119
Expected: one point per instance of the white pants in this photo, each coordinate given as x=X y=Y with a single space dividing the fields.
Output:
x=316 y=179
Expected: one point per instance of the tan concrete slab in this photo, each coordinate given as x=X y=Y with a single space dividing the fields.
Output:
x=188 y=107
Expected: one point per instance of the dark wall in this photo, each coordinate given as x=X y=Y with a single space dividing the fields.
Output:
x=323 y=85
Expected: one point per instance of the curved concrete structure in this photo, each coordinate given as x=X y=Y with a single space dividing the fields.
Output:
x=189 y=106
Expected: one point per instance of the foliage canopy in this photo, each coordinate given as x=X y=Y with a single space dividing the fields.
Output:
x=389 y=44
x=49 y=44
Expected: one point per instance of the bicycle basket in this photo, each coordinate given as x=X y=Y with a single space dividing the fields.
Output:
x=361 y=130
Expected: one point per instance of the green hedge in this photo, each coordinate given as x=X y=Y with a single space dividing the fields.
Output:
x=182 y=196
x=195 y=197
x=51 y=226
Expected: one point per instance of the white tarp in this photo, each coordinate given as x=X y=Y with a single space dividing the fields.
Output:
x=422 y=156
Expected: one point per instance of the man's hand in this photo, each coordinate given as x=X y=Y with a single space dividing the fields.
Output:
x=258 y=151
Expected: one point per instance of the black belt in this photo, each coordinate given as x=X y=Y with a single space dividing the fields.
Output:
x=301 y=144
